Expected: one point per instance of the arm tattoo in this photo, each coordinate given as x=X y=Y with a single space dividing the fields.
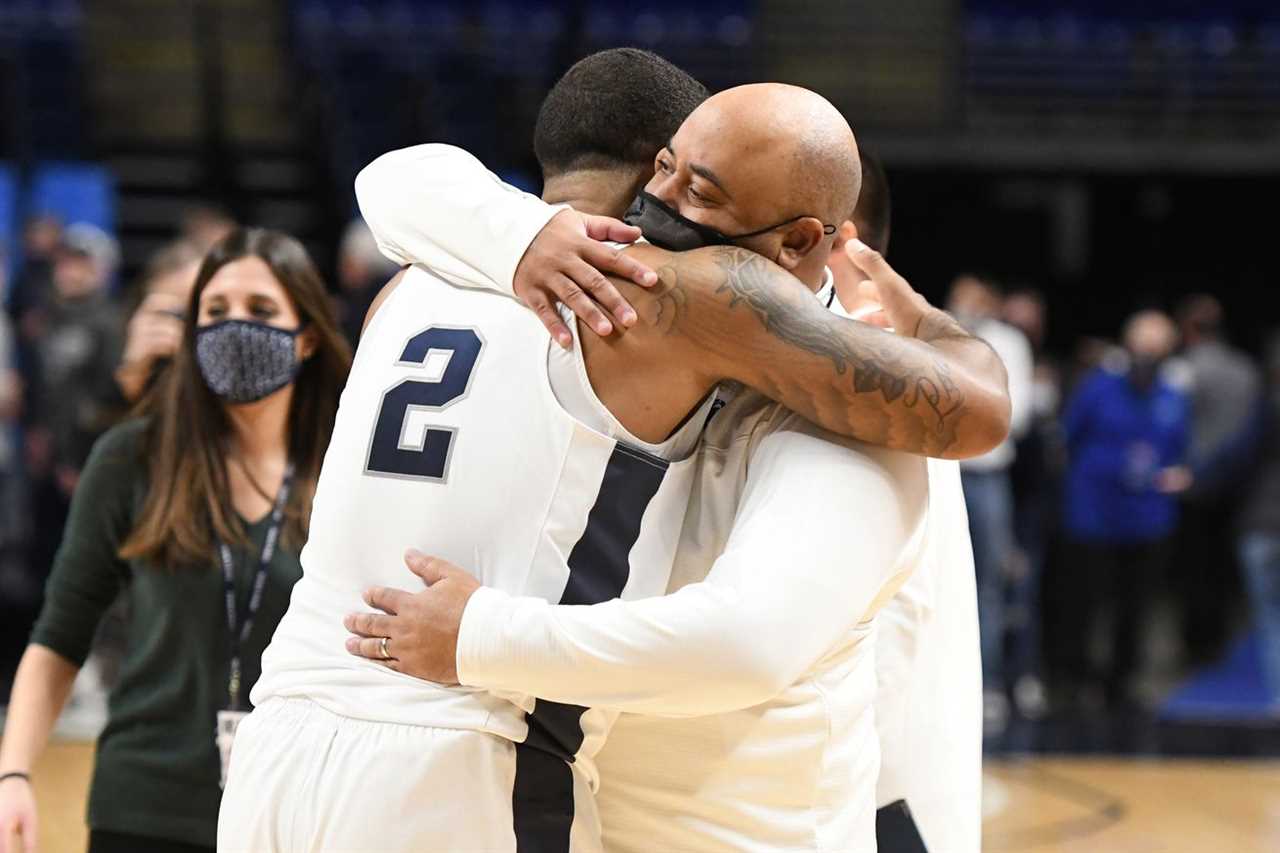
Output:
x=668 y=299
x=876 y=363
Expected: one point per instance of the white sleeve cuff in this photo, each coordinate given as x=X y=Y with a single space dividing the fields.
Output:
x=527 y=221
x=480 y=640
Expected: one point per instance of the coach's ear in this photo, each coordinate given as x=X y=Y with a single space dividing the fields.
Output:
x=799 y=239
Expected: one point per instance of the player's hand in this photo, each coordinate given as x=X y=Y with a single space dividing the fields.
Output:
x=904 y=309
x=17 y=817
x=421 y=628
x=568 y=263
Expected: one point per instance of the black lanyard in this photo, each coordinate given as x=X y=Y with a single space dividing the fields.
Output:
x=239 y=637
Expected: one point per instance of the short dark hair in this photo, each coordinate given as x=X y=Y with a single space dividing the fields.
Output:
x=874 y=210
x=614 y=108
x=1202 y=314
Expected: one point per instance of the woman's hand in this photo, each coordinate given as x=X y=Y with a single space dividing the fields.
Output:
x=17 y=816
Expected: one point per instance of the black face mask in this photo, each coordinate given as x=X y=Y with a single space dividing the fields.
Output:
x=663 y=226
x=1144 y=370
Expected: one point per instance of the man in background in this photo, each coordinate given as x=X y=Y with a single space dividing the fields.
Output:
x=41 y=237
x=76 y=347
x=1225 y=385
x=205 y=224
x=1258 y=542
x=1126 y=431
x=18 y=591
x=928 y=704
x=362 y=271
x=1036 y=476
x=988 y=490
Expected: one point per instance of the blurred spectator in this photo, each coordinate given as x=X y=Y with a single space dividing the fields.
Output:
x=362 y=271
x=76 y=348
x=976 y=304
x=205 y=225
x=18 y=593
x=40 y=240
x=1126 y=431
x=1259 y=540
x=155 y=329
x=1035 y=475
x=1224 y=387
x=10 y=410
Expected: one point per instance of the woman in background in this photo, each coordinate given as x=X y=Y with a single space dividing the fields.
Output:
x=198 y=514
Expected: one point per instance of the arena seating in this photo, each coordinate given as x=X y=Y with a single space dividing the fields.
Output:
x=42 y=54
x=1194 y=69
x=360 y=53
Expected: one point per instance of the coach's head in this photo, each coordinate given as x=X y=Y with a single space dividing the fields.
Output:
x=769 y=167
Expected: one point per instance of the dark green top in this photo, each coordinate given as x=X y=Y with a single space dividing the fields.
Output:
x=157 y=765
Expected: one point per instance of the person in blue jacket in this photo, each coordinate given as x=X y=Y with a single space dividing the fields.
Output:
x=1126 y=432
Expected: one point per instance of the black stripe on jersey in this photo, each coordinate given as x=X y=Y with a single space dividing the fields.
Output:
x=896 y=830
x=599 y=566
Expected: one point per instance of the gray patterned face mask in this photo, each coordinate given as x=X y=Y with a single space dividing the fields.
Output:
x=243 y=361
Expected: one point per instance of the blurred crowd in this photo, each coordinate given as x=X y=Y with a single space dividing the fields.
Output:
x=79 y=351
x=1129 y=530
x=1129 y=526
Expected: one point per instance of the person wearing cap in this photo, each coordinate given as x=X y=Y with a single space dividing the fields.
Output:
x=77 y=340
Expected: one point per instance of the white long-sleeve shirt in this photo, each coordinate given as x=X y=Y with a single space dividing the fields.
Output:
x=929 y=678
x=1014 y=350
x=767 y=634
x=780 y=596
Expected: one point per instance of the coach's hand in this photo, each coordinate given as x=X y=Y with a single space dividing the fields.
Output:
x=421 y=629
x=567 y=262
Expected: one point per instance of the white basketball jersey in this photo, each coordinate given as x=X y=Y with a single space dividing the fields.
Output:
x=450 y=439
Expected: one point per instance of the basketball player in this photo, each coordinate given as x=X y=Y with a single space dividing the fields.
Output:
x=699 y=651
x=345 y=754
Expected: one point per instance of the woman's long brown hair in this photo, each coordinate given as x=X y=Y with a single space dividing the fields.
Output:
x=188 y=499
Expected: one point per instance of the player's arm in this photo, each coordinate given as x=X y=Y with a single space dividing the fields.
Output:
x=730 y=313
x=778 y=598
x=438 y=206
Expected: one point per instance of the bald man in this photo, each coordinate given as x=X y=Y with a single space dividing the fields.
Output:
x=774 y=663
x=1126 y=430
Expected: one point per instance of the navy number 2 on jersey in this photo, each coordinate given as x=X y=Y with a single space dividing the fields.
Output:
x=392 y=451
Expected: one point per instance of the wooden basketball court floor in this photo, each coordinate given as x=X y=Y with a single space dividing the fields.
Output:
x=1033 y=805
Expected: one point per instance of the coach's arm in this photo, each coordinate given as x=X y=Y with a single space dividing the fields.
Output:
x=781 y=596
x=728 y=313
